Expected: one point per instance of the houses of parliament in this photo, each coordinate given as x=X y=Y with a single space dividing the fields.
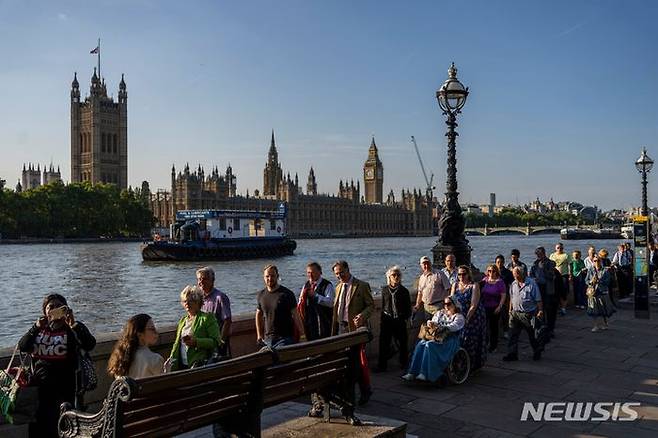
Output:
x=310 y=214
x=99 y=154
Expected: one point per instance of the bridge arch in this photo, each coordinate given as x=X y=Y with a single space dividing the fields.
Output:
x=506 y=232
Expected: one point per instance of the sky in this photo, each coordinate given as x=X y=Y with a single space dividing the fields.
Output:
x=563 y=94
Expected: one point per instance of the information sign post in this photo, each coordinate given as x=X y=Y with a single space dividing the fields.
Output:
x=641 y=267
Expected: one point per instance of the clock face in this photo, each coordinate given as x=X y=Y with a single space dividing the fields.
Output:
x=370 y=173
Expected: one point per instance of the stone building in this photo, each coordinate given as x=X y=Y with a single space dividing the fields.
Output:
x=310 y=214
x=99 y=134
x=32 y=177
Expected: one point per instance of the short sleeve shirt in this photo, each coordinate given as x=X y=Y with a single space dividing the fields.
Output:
x=433 y=286
x=277 y=307
x=217 y=303
x=525 y=296
x=561 y=262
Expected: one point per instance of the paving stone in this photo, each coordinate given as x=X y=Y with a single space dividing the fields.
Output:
x=427 y=406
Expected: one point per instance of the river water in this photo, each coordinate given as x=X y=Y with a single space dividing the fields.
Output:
x=107 y=283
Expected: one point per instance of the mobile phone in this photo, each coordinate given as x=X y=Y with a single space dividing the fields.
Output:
x=58 y=313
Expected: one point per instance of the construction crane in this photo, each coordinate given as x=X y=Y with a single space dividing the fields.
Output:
x=429 y=188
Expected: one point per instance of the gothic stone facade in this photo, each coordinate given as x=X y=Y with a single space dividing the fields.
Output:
x=309 y=214
x=99 y=134
x=31 y=177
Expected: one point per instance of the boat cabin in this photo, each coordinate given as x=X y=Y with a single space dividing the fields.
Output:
x=229 y=224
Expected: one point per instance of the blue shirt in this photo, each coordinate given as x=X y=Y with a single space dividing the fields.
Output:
x=524 y=297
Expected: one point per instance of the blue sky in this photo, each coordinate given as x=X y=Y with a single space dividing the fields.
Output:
x=564 y=94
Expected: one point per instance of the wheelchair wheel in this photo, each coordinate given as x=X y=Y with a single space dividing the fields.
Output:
x=459 y=367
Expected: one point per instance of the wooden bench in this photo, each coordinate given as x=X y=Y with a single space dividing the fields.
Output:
x=232 y=393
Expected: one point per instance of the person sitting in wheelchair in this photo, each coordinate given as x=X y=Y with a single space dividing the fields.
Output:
x=433 y=354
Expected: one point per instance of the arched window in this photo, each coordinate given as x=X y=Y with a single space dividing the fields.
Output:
x=80 y=142
x=114 y=146
x=103 y=139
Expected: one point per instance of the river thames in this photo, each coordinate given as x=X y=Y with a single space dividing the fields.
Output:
x=107 y=283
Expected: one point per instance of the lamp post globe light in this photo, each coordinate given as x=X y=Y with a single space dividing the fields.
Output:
x=644 y=164
x=452 y=97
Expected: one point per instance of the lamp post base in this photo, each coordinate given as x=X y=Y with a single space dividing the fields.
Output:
x=461 y=251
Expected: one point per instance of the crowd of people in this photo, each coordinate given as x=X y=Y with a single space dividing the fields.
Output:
x=461 y=311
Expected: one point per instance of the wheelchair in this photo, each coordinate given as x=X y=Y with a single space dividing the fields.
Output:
x=459 y=367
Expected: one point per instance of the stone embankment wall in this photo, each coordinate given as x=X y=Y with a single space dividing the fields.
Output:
x=243 y=341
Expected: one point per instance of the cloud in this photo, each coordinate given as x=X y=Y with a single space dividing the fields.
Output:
x=62 y=16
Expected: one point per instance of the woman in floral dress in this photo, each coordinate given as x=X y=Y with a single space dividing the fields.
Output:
x=475 y=331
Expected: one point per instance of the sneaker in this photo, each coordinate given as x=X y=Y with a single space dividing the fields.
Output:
x=595 y=329
x=421 y=376
x=605 y=327
x=408 y=377
x=563 y=311
x=510 y=358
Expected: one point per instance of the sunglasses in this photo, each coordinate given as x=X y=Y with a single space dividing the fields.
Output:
x=447 y=303
x=462 y=274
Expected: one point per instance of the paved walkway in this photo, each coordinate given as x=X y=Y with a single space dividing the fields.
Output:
x=620 y=364
x=617 y=365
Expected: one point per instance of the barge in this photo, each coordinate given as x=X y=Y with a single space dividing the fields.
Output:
x=585 y=234
x=222 y=235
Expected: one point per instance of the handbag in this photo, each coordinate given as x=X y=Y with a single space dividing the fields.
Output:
x=18 y=401
x=88 y=380
x=431 y=333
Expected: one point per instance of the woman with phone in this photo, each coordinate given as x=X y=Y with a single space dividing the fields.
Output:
x=53 y=342
x=131 y=355
x=197 y=335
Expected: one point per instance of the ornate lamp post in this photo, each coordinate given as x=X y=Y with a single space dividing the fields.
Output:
x=452 y=97
x=644 y=164
x=641 y=238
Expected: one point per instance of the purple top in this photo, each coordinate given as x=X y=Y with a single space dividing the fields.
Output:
x=492 y=293
x=217 y=303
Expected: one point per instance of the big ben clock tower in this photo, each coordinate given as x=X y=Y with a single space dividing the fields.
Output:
x=373 y=175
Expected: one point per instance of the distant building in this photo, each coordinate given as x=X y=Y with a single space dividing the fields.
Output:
x=99 y=134
x=32 y=177
x=373 y=176
x=310 y=214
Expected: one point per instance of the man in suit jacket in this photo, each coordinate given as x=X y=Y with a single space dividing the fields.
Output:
x=353 y=306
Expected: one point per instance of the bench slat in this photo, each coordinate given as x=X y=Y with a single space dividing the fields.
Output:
x=292 y=390
x=177 y=379
x=320 y=346
x=183 y=418
x=306 y=366
x=222 y=387
x=185 y=402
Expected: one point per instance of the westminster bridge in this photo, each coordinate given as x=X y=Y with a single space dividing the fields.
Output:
x=525 y=231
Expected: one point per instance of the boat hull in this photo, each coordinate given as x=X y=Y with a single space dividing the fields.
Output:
x=233 y=249
x=590 y=235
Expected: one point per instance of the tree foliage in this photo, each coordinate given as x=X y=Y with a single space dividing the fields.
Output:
x=514 y=217
x=74 y=210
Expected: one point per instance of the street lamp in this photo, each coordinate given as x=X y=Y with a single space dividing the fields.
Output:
x=452 y=97
x=644 y=164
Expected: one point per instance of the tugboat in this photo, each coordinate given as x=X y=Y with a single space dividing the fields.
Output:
x=223 y=235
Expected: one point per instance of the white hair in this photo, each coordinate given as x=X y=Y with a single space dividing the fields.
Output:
x=393 y=269
x=192 y=293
